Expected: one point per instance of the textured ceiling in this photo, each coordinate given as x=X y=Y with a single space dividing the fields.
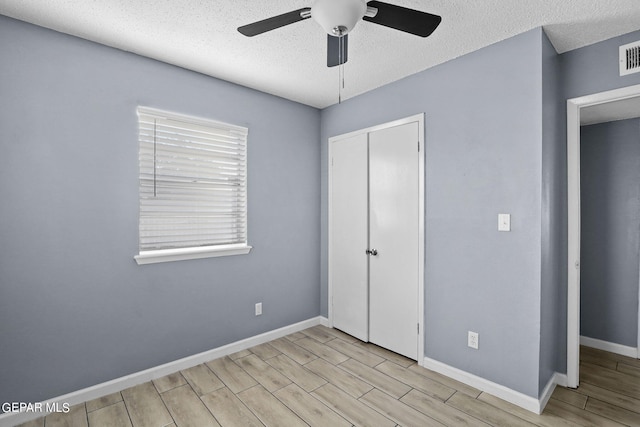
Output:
x=291 y=62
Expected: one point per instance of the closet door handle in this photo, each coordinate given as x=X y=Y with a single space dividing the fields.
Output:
x=372 y=252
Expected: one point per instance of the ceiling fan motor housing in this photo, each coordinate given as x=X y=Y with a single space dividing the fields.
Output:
x=338 y=17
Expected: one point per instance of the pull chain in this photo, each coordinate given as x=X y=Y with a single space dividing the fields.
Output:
x=340 y=83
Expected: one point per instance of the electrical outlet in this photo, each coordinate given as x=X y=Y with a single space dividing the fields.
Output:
x=472 y=340
x=504 y=222
x=258 y=309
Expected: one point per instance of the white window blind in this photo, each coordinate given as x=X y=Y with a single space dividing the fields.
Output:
x=193 y=183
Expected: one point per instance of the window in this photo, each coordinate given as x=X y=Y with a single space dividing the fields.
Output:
x=193 y=187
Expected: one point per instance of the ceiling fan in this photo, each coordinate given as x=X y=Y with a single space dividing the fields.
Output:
x=338 y=17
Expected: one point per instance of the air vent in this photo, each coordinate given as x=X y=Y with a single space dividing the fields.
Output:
x=630 y=58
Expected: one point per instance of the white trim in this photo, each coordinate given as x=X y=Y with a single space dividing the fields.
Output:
x=573 y=221
x=166 y=255
x=421 y=238
x=517 y=398
x=118 y=384
x=398 y=122
x=555 y=380
x=560 y=379
x=202 y=121
x=329 y=230
x=573 y=242
x=611 y=347
x=421 y=230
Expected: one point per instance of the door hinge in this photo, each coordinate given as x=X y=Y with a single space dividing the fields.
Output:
x=418 y=146
x=418 y=327
x=332 y=161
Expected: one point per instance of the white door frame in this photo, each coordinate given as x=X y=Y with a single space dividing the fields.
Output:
x=574 y=106
x=421 y=231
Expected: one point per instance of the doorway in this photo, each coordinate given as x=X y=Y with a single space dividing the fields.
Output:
x=618 y=104
x=376 y=235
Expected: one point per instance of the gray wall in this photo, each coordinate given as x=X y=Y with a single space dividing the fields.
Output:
x=75 y=309
x=585 y=71
x=610 y=203
x=554 y=208
x=594 y=68
x=483 y=157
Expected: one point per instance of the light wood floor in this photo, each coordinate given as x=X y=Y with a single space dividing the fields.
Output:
x=323 y=377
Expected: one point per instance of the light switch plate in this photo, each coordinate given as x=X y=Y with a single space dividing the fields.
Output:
x=504 y=222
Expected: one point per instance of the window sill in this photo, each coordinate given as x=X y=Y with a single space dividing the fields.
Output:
x=166 y=255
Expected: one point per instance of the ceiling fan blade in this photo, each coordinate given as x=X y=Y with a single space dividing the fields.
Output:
x=401 y=18
x=274 y=22
x=337 y=48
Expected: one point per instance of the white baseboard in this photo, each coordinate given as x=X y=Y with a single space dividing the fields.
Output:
x=609 y=346
x=520 y=399
x=103 y=389
x=556 y=379
x=561 y=379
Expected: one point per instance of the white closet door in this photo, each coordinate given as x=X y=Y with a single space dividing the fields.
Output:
x=394 y=234
x=349 y=236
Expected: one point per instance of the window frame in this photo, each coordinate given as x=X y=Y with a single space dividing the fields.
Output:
x=193 y=252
